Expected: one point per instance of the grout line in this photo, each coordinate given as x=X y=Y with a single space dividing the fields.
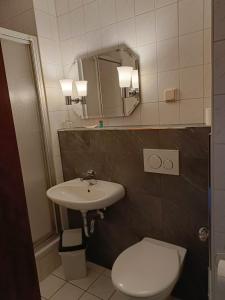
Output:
x=57 y=290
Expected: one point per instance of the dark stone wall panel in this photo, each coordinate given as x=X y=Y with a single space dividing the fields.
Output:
x=168 y=208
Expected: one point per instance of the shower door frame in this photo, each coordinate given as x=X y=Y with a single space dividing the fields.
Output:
x=44 y=120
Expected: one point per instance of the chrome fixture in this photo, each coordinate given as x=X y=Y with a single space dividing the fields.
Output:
x=90 y=177
x=203 y=234
x=67 y=90
x=129 y=81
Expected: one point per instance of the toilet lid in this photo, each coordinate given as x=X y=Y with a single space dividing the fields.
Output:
x=145 y=269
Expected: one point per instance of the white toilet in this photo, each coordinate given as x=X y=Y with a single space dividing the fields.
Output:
x=148 y=269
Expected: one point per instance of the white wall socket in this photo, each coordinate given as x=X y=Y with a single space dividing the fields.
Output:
x=161 y=161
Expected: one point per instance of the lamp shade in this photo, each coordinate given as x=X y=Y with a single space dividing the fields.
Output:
x=125 y=74
x=81 y=88
x=135 y=79
x=67 y=87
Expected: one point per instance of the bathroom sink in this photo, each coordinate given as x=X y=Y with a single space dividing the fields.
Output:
x=80 y=195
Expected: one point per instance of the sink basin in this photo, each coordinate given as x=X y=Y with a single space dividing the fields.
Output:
x=79 y=195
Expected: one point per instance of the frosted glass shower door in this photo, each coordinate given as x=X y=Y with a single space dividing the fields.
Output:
x=25 y=108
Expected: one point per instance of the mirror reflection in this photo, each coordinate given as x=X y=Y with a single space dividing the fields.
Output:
x=113 y=83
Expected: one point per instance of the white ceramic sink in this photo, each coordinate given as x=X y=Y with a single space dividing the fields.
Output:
x=79 y=195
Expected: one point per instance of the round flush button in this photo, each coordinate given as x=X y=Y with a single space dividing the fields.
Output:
x=168 y=164
x=155 y=161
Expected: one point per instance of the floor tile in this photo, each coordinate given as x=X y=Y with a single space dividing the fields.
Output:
x=87 y=296
x=68 y=292
x=107 y=273
x=59 y=273
x=50 y=285
x=102 y=288
x=119 y=296
x=85 y=282
x=95 y=267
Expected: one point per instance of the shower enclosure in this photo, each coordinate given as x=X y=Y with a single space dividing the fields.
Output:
x=27 y=99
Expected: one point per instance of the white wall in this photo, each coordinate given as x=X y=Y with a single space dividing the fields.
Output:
x=47 y=32
x=172 y=38
x=18 y=16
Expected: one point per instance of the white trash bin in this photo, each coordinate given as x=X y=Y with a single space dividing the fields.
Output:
x=72 y=251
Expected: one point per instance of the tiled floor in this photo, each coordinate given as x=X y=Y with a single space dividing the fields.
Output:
x=97 y=285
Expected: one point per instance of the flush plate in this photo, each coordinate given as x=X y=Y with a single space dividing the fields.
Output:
x=161 y=161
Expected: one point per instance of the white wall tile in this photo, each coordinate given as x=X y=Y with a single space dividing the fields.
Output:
x=41 y=4
x=44 y=26
x=126 y=33
x=149 y=87
x=94 y=41
x=52 y=74
x=124 y=9
x=164 y=64
x=191 y=83
x=62 y=7
x=67 y=52
x=150 y=113
x=55 y=99
x=207 y=80
x=168 y=57
x=147 y=58
x=49 y=51
x=79 y=45
x=142 y=6
x=109 y=36
x=77 y=22
x=73 y=4
x=107 y=10
x=207 y=13
x=51 y=7
x=145 y=27
x=161 y=3
x=91 y=15
x=167 y=22
x=191 y=49
x=191 y=111
x=190 y=16
x=169 y=113
x=64 y=27
x=167 y=80
x=207 y=46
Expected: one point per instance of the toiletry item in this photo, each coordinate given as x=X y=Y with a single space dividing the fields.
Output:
x=208 y=113
x=101 y=125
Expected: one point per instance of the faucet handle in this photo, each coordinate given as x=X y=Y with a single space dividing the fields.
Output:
x=91 y=172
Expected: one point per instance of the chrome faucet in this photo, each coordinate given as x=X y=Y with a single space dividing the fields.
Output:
x=90 y=177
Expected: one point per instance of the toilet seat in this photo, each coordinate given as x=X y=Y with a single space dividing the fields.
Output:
x=146 y=269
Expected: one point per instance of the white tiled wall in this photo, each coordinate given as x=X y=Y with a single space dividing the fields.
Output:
x=172 y=38
x=47 y=31
x=218 y=162
x=18 y=16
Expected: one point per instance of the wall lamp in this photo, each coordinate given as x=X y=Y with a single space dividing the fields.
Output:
x=67 y=90
x=129 y=79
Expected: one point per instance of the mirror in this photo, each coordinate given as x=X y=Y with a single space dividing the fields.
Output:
x=105 y=97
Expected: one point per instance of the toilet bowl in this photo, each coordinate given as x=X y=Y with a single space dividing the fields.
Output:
x=148 y=269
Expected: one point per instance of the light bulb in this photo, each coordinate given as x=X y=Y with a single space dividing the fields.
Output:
x=81 y=88
x=67 y=87
x=125 y=74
